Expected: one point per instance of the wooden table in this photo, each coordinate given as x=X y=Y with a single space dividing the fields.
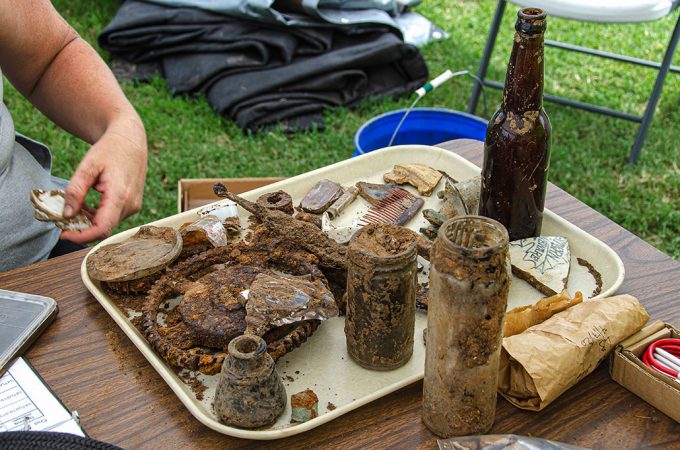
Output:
x=95 y=369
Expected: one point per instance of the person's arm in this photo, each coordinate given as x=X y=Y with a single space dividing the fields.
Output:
x=64 y=77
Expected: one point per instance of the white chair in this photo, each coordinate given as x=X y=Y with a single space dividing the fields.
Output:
x=612 y=11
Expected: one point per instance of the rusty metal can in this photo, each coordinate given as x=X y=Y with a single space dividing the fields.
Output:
x=381 y=289
x=469 y=283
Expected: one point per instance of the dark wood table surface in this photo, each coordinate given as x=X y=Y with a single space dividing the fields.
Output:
x=94 y=368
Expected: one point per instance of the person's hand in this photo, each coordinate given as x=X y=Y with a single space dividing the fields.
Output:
x=115 y=166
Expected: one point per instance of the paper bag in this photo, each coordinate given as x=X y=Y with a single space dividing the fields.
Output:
x=538 y=365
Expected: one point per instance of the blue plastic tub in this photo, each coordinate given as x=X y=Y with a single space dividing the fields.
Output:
x=426 y=126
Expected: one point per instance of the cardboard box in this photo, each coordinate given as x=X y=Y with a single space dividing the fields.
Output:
x=627 y=369
x=194 y=193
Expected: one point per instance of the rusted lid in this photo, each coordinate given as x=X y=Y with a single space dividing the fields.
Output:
x=151 y=249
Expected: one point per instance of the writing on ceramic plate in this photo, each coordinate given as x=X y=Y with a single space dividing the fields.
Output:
x=542 y=254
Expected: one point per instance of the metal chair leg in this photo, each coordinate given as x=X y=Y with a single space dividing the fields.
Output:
x=656 y=94
x=488 y=50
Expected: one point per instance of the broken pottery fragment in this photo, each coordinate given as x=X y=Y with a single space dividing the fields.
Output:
x=597 y=276
x=304 y=406
x=278 y=300
x=224 y=210
x=249 y=392
x=206 y=230
x=321 y=196
x=49 y=207
x=543 y=262
x=460 y=198
x=424 y=178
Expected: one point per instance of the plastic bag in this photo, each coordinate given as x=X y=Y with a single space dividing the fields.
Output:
x=418 y=30
x=502 y=441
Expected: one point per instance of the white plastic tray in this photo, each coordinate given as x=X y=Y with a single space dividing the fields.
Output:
x=322 y=363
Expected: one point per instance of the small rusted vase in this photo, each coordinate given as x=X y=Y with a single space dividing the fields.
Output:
x=469 y=283
x=249 y=393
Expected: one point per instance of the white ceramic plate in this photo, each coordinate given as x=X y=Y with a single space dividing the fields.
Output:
x=322 y=363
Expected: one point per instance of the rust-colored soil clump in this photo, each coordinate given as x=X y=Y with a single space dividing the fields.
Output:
x=383 y=241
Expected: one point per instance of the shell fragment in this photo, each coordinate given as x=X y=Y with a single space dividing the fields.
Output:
x=49 y=207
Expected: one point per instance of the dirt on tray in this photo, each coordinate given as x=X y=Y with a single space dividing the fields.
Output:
x=195 y=384
x=125 y=301
x=593 y=271
x=383 y=240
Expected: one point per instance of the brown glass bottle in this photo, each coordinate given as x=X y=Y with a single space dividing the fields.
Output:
x=517 y=147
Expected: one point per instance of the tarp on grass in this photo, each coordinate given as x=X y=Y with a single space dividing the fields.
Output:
x=262 y=74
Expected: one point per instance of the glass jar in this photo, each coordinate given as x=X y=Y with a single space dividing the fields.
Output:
x=381 y=290
x=469 y=283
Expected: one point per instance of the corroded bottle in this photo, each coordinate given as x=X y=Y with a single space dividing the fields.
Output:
x=381 y=296
x=469 y=284
x=517 y=147
x=249 y=392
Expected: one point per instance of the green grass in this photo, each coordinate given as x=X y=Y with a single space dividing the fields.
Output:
x=589 y=151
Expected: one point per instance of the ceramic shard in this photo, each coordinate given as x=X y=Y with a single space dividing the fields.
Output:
x=208 y=230
x=423 y=178
x=49 y=207
x=543 y=262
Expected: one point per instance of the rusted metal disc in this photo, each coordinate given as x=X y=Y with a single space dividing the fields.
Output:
x=151 y=249
x=279 y=200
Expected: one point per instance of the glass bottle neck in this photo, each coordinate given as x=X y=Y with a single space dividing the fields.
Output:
x=524 y=79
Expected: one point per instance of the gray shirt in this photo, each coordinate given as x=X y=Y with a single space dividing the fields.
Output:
x=24 y=165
